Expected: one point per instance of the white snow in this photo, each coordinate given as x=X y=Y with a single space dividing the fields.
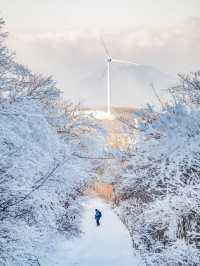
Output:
x=40 y=182
x=101 y=115
x=106 y=245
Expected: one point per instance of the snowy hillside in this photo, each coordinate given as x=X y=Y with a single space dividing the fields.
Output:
x=53 y=155
x=158 y=194
x=106 y=245
x=44 y=145
x=39 y=178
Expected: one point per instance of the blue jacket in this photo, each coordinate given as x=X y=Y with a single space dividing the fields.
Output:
x=98 y=215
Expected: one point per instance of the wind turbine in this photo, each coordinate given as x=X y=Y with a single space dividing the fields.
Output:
x=109 y=61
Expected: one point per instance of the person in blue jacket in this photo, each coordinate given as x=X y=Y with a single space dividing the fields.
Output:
x=98 y=216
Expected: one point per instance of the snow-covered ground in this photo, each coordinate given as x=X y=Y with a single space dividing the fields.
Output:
x=101 y=115
x=107 y=245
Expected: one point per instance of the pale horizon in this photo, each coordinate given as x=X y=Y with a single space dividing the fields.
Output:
x=61 y=38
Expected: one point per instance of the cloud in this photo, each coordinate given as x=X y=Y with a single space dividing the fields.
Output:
x=76 y=57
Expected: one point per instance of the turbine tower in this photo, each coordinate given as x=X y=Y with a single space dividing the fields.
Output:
x=109 y=61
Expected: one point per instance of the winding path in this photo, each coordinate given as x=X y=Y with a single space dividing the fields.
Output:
x=107 y=245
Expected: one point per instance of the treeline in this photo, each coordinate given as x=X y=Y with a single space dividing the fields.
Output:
x=158 y=194
x=42 y=170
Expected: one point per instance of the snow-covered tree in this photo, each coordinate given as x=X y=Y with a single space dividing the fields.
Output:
x=6 y=63
x=17 y=80
x=188 y=89
x=42 y=172
x=158 y=194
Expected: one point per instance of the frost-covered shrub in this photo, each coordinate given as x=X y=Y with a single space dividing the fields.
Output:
x=40 y=181
x=188 y=90
x=17 y=80
x=180 y=253
x=159 y=197
x=42 y=175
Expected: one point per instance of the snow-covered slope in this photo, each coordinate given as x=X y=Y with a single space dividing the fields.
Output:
x=159 y=193
x=107 y=245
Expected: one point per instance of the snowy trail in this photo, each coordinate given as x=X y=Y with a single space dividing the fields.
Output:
x=106 y=245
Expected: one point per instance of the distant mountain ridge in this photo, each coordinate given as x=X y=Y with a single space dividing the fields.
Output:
x=130 y=85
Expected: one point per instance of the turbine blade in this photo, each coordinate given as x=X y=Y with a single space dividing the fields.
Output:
x=104 y=46
x=124 y=62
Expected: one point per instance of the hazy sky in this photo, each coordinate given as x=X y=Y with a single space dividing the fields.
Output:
x=60 y=37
